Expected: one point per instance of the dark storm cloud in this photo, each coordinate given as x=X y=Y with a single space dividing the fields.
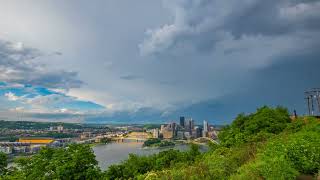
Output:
x=274 y=17
x=200 y=25
x=272 y=44
x=19 y=64
x=281 y=84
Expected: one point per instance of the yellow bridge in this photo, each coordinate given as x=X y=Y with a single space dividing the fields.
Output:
x=202 y=140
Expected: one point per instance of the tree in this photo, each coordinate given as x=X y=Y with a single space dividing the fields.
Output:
x=73 y=162
x=3 y=163
x=265 y=122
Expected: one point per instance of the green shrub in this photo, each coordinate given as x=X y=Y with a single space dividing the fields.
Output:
x=273 y=168
x=245 y=128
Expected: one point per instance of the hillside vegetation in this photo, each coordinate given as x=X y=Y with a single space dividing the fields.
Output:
x=266 y=144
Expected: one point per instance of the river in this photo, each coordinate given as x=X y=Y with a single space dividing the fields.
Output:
x=113 y=153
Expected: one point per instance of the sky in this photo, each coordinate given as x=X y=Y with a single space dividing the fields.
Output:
x=151 y=61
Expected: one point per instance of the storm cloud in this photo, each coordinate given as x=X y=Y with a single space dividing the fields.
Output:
x=199 y=25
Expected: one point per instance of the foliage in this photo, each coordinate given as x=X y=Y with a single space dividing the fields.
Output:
x=287 y=155
x=217 y=164
x=74 y=162
x=156 y=142
x=105 y=140
x=270 y=168
x=245 y=128
x=3 y=163
x=35 y=125
x=166 y=143
x=151 y=142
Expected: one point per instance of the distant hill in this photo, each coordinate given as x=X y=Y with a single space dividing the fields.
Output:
x=36 y=125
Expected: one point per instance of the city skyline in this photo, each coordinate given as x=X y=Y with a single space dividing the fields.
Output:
x=152 y=61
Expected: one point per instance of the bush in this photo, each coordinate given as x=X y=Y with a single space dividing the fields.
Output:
x=287 y=155
x=245 y=128
x=273 y=168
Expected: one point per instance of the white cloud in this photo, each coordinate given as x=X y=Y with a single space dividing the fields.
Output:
x=11 y=96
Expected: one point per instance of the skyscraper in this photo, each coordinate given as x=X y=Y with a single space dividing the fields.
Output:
x=191 y=122
x=182 y=121
x=156 y=133
x=205 y=128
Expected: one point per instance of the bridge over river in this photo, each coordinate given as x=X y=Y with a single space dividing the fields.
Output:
x=203 y=140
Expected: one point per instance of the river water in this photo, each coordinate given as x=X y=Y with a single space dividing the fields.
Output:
x=113 y=153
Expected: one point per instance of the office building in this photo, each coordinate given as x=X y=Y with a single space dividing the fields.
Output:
x=189 y=125
x=156 y=133
x=60 y=128
x=169 y=131
x=198 y=132
x=205 y=129
x=187 y=135
x=167 y=134
x=162 y=128
x=180 y=135
x=182 y=121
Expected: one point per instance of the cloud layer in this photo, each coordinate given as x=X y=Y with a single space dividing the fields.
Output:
x=148 y=61
x=20 y=64
x=199 y=25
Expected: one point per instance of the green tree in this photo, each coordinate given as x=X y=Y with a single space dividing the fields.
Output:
x=73 y=162
x=265 y=122
x=3 y=163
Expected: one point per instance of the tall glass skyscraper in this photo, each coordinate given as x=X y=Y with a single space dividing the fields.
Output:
x=182 y=121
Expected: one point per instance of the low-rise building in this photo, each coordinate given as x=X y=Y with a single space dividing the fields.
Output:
x=156 y=133
x=60 y=128
x=20 y=149
x=180 y=135
x=6 y=149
